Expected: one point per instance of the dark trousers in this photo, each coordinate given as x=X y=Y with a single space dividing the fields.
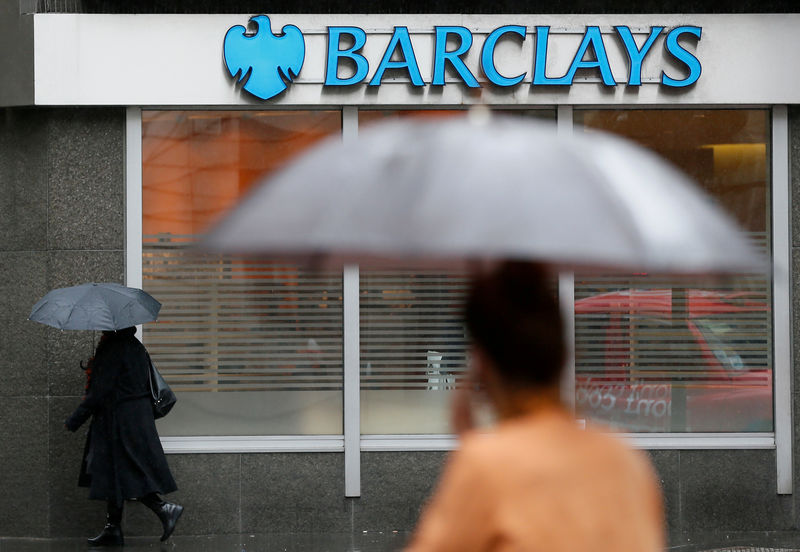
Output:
x=114 y=510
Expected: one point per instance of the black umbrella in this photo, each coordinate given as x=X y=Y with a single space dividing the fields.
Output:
x=104 y=306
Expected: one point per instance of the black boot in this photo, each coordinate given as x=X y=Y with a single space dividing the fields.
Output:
x=110 y=536
x=112 y=532
x=167 y=512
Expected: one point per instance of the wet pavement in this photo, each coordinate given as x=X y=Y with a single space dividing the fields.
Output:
x=308 y=542
x=300 y=542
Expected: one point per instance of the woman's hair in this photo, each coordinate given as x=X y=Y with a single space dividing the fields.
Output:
x=513 y=314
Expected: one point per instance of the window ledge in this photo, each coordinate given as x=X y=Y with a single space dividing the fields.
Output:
x=244 y=443
x=399 y=443
x=701 y=441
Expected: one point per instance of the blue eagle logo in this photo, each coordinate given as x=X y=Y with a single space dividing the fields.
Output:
x=266 y=63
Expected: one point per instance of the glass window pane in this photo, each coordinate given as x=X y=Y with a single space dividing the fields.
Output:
x=658 y=354
x=413 y=342
x=370 y=116
x=413 y=349
x=251 y=347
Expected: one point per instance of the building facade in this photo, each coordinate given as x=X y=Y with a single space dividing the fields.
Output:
x=317 y=402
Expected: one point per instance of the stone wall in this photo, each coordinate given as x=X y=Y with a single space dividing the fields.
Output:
x=61 y=223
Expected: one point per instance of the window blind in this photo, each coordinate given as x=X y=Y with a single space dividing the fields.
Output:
x=412 y=333
x=698 y=352
x=238 y=324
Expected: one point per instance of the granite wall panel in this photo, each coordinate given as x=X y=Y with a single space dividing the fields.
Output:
x=725 y=490
x=294 y=492
x=667 y=466
x=23 y=362
x=23 y=180
x=86 y=191
x=208 y=489
x=394 y=488
x=794 y=172
x=24 y=461
x=61 y=223
x=795 y=283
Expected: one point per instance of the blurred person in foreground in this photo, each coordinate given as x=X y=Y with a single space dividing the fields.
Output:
x=536 y=481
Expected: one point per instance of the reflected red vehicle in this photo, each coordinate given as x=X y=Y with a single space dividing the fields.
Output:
x=644 y=365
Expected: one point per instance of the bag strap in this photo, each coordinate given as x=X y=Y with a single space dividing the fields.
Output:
x=150 y=368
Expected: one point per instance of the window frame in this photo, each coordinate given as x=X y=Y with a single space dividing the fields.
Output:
x=352 y=443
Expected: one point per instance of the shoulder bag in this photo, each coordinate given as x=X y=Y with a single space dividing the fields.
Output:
x=161 y=396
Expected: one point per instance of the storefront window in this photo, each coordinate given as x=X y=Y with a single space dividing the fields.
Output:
x=255 y=347
x=667 y=355
x=251 y=347
x=413 y=343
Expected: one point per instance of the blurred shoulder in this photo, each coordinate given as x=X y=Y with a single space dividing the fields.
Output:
x=551 y=442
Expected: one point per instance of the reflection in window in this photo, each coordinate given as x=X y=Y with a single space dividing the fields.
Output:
x=657 y=354
x=252 y=347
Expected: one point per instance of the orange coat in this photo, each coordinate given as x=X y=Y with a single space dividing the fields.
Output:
x=540 y=483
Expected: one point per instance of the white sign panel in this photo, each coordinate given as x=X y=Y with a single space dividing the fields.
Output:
x=299 y=60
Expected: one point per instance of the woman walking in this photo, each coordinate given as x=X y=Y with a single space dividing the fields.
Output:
x=123 y=459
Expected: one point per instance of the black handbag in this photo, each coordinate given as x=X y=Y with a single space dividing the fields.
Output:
x=161 y=396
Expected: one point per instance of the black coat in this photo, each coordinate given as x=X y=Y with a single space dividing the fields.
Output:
x=123 y=458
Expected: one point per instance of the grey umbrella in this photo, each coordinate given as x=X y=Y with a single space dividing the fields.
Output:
x=92 y=306
x=444 y=191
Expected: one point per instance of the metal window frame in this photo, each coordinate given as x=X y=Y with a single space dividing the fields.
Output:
x=352 y=350
x=352 y=443
x=133 y=198
x=782 y=297
x=252 y=443
x=566 y=289
x=647 y=441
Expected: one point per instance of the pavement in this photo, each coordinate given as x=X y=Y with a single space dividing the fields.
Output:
x=298 y=542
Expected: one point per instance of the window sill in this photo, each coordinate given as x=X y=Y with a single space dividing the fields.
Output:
x=400 y=443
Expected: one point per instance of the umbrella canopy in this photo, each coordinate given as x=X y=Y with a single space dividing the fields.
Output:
x=445 y=191
x=104 y=306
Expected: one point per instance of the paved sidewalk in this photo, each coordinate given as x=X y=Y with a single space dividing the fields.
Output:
x=751 y=549
x=300 y=542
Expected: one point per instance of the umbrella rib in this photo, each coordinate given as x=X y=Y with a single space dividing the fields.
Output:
x=66 y=322
x=36 y=309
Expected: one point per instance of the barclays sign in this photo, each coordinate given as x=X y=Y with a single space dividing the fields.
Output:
x=265 y=64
